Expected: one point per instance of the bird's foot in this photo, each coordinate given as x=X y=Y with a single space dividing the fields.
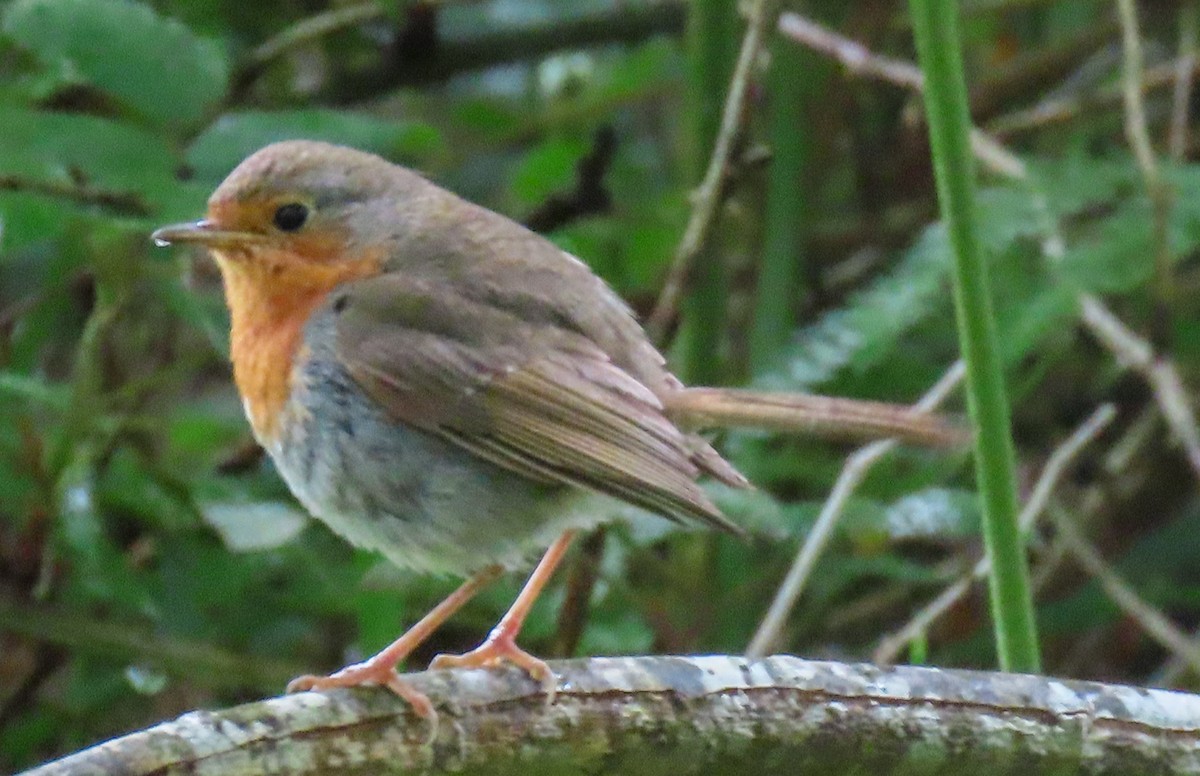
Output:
x=381 y=669
x=502 y=648
x=372 y=672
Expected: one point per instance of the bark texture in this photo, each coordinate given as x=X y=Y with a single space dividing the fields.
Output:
x=684 y=715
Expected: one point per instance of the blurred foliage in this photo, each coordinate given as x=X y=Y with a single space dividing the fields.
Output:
x=151 y=561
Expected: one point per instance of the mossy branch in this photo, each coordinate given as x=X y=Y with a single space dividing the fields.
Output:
x=689 y=715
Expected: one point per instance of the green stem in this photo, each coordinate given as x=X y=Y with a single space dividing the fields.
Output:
x=713 y=28
x=713 y=36
x=935 y=29
x=87 y=378
x=788 y=212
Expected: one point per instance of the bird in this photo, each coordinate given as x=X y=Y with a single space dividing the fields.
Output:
x=441 y=385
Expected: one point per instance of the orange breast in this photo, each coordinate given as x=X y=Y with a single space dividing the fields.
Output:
x=271 y=297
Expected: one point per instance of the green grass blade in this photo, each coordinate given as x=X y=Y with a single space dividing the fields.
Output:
x=935 y=29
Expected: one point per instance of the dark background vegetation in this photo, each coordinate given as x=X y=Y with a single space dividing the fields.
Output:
x=151 y=562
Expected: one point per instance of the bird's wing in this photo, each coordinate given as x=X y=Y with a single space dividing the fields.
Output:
x=540 y=401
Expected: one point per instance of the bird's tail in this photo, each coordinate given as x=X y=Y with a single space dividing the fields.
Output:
x=807 y=414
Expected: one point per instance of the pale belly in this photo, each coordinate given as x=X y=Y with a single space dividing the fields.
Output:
x=414 y=497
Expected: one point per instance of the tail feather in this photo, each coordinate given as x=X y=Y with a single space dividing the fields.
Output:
x=797 y=413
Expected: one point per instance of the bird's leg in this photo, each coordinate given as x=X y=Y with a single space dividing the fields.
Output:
x=381 y=669
x=501 y=645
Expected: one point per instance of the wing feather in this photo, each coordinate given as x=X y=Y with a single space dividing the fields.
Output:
x=543 y=402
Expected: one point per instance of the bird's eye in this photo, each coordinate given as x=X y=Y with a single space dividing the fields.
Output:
x=290 y=217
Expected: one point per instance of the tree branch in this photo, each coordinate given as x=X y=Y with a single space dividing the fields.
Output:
x=486 y=48
x=775 y=715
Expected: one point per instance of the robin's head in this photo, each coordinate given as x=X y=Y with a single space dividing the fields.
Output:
x=303 y=202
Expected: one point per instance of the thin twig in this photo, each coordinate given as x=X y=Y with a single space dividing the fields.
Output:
x=1056 y=465
x=1140 y=433
x=126 y=203
x=853 y=472
x=707 y=198
x=1063 y=61
x=572 y=615
x=1062 y=458
x=1135 y=353
x=1156 y=624
x=854 y=56
x=1185 y=70
x=860 y=60
x=1174 y=669
x=312 y=28
x=1137 y=132
x=1114 y=477
x=590 y=194
x=1059 y=110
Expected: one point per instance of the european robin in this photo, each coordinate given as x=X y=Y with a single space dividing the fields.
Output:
x=438 y=383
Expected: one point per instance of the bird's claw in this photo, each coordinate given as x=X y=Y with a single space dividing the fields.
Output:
x=498 y=650
x=374 y=674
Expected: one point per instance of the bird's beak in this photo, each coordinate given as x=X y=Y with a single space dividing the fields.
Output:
x=203 y=232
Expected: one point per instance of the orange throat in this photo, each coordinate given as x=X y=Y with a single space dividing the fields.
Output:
x=271 y=297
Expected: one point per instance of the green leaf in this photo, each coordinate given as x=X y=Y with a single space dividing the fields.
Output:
x=1184 y=225
x=73 y=148
x=27 y=218
x=760 y=513
x=26 y=388
x=651 y=239
x=60 y=163
x=547 y=169
x=1115 y=255
x=1007 y=214
x=1079 y=182
x=623 y=631
x=489 y=118
x=1047 y=312
x=874 y=319
x=655 y=65
x=934 y=513
x=1032 y=303
x=235 y=136
x=1112 y=253
x=100 y=571
x=154 y=66
x=130 y=486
